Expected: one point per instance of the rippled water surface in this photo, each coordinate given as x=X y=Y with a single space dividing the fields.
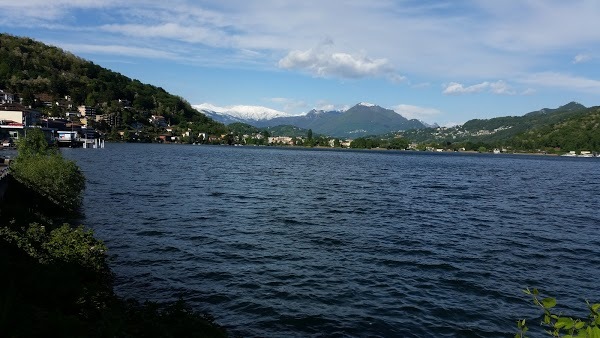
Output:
x=295 y=242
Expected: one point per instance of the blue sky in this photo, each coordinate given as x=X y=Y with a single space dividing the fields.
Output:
x=439 y=61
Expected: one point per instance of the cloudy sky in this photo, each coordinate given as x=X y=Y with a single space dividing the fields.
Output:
x=444 y=61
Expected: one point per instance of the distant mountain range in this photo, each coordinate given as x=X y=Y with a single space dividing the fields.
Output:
x=361 y=120
x=244 y=114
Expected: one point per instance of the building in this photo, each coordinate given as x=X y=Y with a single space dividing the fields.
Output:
x=19 y=114
x=113 y=120
x=158 y=121
x=10 y=131
x=280 y=140
x=6 y=97
x=65 y=103
x=124 y=103
x=87 y=113
x=44 y=99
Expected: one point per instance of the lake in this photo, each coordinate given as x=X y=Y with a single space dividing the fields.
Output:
x=289 y=242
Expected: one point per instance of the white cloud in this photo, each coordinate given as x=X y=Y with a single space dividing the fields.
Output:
x=502 y=88
x=416 y=112
x=439 y=42
x=528 y=91
x=564 y=81
x=421 y=85
x=172 y=31
x=328 y=106
x=455 y=88
x=288 y=105
x=119 y=50
x=499 y=87
x=452 y=124
x=322 y=62
x=581 y=58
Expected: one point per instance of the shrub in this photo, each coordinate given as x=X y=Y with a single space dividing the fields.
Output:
x=45 y=170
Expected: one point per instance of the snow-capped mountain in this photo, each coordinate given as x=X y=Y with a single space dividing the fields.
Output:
x=240 y=113
x=366 y=104
x=362 y=119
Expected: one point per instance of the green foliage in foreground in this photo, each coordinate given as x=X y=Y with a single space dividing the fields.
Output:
x=45 y=170
x=63 y=244
x=557 y=325
x=56 y=283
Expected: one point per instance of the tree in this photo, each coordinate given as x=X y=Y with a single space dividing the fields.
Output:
x=33 y=144
x=398 y=143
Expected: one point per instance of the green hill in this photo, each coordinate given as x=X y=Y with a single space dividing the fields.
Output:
x=526 y=132
x=501 y=128
x=29 y=68
x=366 y=119
x=576 y=133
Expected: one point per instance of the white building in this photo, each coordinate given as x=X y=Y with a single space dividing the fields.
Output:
x=281 y=140
x=26 y=117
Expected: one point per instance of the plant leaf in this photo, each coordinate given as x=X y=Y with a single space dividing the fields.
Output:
x=549 y=302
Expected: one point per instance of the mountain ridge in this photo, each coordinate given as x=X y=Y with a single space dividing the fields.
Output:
x=506 y=129
x=360 y=120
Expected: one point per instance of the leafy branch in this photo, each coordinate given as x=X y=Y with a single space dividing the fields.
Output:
x=557 y=325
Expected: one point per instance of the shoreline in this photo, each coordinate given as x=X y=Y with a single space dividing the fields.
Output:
x=471 y=152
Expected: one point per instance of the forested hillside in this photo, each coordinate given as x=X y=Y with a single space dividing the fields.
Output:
x=580 y=132
x=571 y=127
x=29 y=68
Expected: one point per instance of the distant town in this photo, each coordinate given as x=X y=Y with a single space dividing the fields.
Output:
x=84 y=126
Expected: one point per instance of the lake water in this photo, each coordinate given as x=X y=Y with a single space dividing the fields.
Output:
x=281 y=242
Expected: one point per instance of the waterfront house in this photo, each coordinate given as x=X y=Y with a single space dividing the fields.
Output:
x=346 y=143
x=281 y=140
x=164 y=137
x=6 y=97
x=20 y=114
x=10 y=130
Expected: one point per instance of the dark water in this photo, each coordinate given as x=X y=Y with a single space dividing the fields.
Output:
x=281 y=242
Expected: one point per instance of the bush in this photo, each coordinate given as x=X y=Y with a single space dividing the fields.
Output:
x=45 y=170
x=57 y=283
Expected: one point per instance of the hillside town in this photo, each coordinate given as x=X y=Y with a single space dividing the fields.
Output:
x=68 y=125
x=74 y=129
